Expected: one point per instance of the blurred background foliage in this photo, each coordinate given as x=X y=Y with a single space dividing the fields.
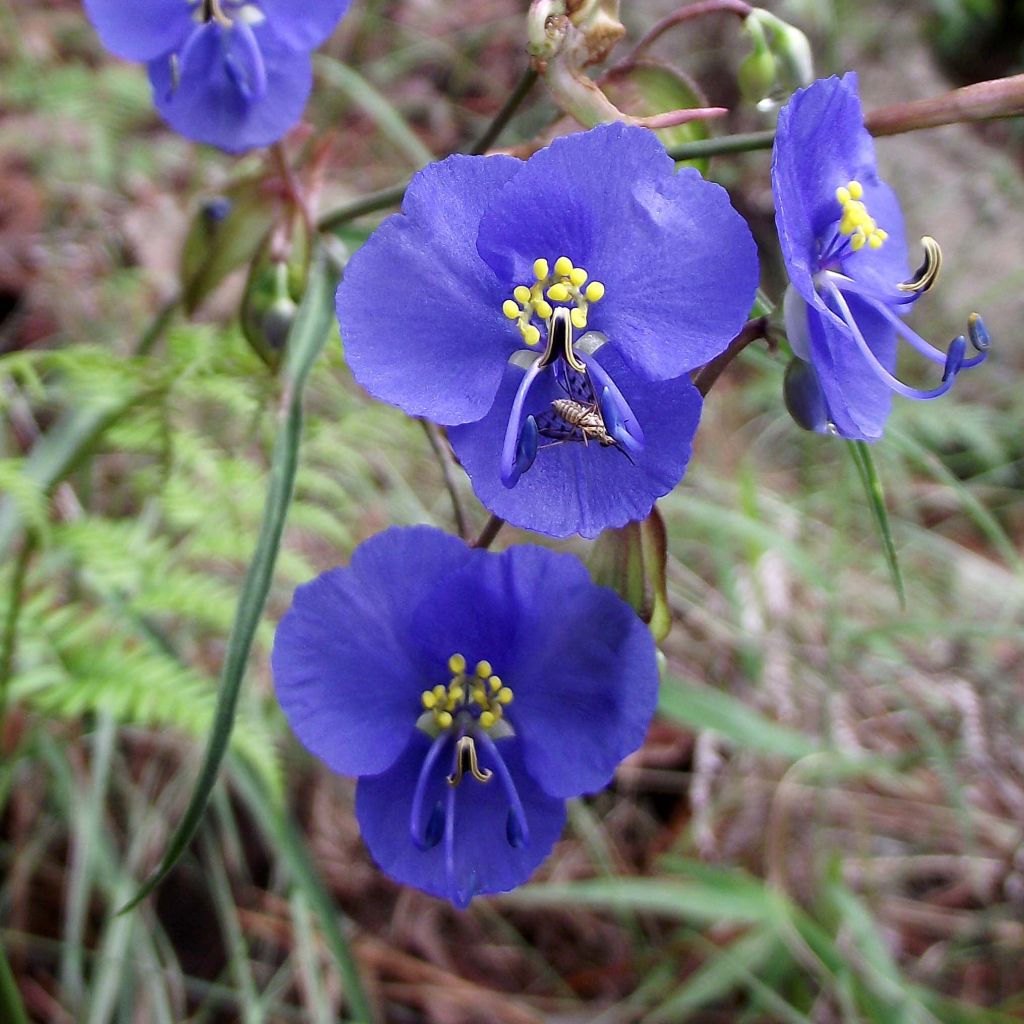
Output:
x=826 y=822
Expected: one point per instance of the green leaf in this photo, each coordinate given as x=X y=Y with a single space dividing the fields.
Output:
x=860 y=452
x=305 y=342
x=702 y=707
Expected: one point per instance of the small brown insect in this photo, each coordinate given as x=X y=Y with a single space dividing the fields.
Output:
x=586 y=418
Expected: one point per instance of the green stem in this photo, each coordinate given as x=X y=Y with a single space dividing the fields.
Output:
x=305 y=342
x=502 y=118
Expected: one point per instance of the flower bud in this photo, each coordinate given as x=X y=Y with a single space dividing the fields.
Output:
x=780 y=63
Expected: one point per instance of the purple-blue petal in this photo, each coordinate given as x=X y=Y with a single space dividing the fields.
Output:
x=580 y=663
x=678 y=263
x=346 y=674
x=420 y=311
x=135 y=30
x=858 y=401
x=305 y=26
x=213 y=101
x=576 y=488
x=480 y=858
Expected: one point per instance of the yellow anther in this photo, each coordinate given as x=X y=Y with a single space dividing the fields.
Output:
x=456 y=665
x=578 y=277
x=495 y=683
x=530 y=334
x=505 y=695
x=483 y=669
x=875 y=242
x=522 y=294
x=444 y=719
x=455 y=694
x=882 y=234
x=481 y=698
x=540 y=269
x=428 y=699
x=563 y=266
x=857 y=242
x=510 y=309
x=558 y=293
x=856 y=189
x=595 y=291
x=543 y=309
x=487 y=719
x=579 y=318
x=843 y=194
x=440 y=692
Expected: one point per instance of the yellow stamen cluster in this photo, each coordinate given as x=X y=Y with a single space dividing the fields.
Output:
x=562 y=283
x=483 y=688
x=856 y=220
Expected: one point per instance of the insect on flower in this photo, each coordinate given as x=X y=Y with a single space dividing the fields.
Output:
x=842 y=239
x=592 y=273
x=458 y=686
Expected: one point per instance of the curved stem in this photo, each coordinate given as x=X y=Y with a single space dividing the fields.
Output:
x=439 y=446
x=690 y=13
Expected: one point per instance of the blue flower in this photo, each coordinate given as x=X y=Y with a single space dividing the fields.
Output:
x=471 y=692
x=843 y=243
x=232 y=73
x=550 y=313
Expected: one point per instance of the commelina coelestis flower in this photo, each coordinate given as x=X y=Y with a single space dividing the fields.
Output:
x=232 y=73
x=471 y=692
x=843 y=243
x=549 y=312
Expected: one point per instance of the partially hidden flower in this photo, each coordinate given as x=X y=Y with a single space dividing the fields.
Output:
x=471 y=692
x=232 y=73
x=843 y=243
x=549 y=312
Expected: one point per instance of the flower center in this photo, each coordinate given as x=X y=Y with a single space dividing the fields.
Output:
x=564 y=284
x=479 y=697
x=856 y=223
x=226 y=12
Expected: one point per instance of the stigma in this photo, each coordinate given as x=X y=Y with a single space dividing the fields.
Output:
x=562 y=285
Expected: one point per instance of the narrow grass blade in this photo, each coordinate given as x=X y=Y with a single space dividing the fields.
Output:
x=11 y=1007
x=376 y=106
x=711 y=901
x=860 y=452
x=702 y=707
x=282 y=833
x=305 y=341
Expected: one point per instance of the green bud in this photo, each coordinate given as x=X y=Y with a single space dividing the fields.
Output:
x=792 y=64
x=758 y=70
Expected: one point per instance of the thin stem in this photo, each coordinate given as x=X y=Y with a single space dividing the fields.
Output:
x=743 y=142
x=293 y=187
x=381 y=200
x=442 y=452
x=488 y=533
x=1002 y=97
x=157 y=326
x=502 y=118
x=690 y=13
x=983 y=101
x=370 y=203
x=10 y=633
x=704 y=379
